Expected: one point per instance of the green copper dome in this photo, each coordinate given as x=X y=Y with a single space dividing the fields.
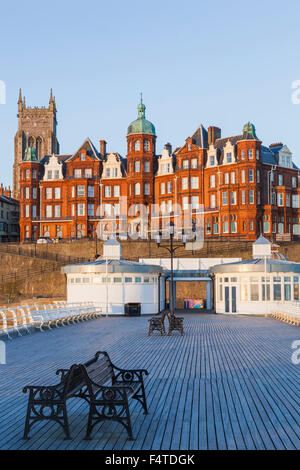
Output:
x=30 y=155
x=141 y=125
x=249 y=131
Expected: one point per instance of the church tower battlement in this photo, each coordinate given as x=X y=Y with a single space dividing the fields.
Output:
x=36 y=129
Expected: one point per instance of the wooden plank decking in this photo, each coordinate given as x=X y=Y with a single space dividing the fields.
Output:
x=228 y=383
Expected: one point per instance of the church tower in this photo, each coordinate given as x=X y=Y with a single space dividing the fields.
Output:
x=36 y=129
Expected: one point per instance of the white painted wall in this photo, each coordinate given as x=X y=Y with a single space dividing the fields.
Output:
x=116 y=295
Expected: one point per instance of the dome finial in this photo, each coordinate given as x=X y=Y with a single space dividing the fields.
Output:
x=141 y=109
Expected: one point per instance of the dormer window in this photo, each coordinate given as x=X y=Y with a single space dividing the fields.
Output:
x=49 y=174
x=212 y=160
x=146 y=145
x=107 y=173
x=229 y=157
x=137 y=145
x=288 y=161
x=82 y=157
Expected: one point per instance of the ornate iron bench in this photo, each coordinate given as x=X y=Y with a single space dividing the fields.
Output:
x=107 y=389
x=175 y=324
x=157 y=323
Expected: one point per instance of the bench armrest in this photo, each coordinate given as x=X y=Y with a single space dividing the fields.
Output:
x=129 y=375
x=62 y=372
x=44 y=392
x=112 y=393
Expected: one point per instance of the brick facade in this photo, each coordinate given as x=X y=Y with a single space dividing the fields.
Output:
x=245 y=187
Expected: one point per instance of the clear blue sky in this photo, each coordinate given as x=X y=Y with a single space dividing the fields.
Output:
x=221 y=62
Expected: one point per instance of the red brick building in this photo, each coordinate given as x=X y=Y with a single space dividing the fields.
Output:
x=244 y=187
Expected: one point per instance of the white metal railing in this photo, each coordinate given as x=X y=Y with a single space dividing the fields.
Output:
x=60 y=313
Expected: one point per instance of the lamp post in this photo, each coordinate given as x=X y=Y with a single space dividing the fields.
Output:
x=96 y=245
x=171 y=248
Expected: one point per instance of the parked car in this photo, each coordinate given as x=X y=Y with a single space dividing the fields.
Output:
x=44 y=240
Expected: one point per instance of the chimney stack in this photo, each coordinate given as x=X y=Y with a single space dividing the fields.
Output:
x=7 y=192
x=168 y=146
x=102 y=148
x=214 y=133
x=1 y=189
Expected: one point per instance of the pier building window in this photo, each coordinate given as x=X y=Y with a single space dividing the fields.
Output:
x=254 y=289
x=277 y=288
x=296 y=287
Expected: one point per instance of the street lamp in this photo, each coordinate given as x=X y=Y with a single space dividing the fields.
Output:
x=171 y=248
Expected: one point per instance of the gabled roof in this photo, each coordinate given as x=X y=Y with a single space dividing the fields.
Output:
x=90 y=149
